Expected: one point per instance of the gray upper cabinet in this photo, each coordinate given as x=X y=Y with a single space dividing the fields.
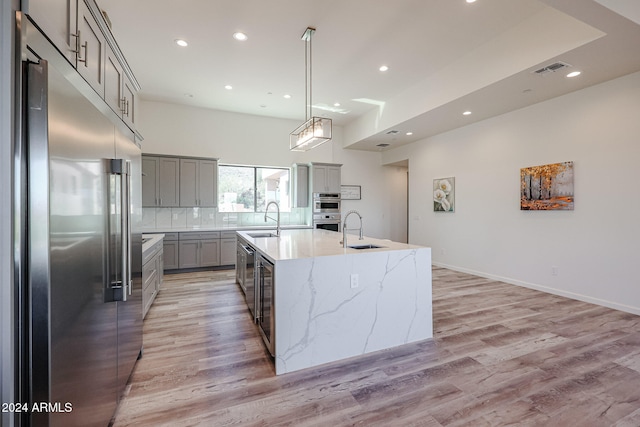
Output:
x=57 y=18
x=129 y=103
x=119 y=92
x=325 y=178
x=198 y=182
x=113 y=80
x=91 y=49
x=77 y=28
x=160 y=181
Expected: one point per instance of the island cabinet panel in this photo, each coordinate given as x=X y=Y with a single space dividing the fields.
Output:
x=57 y=19
x=160 y=181
x=198 y=182
x=325 y=178
x=91 y=49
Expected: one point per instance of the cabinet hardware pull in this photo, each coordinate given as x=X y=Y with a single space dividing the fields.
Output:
x=122 y=104
x=85 y=45
x=127 y=113
x=77 y=51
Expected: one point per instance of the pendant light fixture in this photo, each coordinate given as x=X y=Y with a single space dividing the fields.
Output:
x=315 y=130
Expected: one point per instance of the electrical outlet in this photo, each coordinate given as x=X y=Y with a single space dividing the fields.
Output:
x=354 y=281
x=554 y=270
x=175 y=216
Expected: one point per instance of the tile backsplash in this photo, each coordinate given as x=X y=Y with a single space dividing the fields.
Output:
x=168 y=218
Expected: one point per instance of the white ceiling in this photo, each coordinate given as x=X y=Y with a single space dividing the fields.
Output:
x=444 y=57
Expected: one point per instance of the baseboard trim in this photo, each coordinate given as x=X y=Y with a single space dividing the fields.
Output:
x=542 y=288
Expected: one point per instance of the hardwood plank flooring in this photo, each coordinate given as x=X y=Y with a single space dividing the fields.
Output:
x=501 y=355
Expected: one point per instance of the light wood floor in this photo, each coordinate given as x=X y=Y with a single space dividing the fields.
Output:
x=502 y=355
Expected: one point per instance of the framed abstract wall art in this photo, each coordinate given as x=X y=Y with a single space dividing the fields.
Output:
x=444 y=194
x=547 y=187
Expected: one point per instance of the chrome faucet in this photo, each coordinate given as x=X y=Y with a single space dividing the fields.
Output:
x=344 y=228
x=277 y=220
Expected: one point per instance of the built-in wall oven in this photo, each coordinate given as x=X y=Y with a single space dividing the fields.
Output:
x=265 y=313
x=330 y=221
x=326 y=203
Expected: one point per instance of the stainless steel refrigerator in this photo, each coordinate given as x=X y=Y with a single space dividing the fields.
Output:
x=80 y=253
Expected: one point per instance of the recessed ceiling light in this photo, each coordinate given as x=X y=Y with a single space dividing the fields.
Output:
x=471 y=1
x=188 y=95
x=263 y=106
x=287 y=96
x=336 y=104
x=240 y=36
x=228 y=87
x=409 y=133
x=573 y=74
x=182 y=43
x=384 y=68
x=466 y=113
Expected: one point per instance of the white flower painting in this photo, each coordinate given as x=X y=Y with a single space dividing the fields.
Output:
x=443 y=194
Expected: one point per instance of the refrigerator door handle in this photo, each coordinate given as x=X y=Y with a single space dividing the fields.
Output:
x=119 y=242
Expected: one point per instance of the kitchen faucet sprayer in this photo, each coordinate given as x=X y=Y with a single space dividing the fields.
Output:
x=277 y=220
x=344 y=227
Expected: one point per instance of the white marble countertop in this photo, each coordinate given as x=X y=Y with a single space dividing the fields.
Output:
x=310 y=243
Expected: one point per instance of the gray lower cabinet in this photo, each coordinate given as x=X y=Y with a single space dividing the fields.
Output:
x=199 y=249
x=171 y=251
x=152 y=276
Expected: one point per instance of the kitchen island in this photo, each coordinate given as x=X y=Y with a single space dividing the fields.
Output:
x=331 y=303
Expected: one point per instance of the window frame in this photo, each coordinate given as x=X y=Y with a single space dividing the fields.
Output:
x=255 y=183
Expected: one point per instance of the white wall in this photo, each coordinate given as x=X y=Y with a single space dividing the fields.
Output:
x=245 y=139
x=595 y=248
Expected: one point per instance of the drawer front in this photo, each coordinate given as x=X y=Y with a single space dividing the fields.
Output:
x=200 y=235
x=149 y=274
x=228 y=235
x=170 y=236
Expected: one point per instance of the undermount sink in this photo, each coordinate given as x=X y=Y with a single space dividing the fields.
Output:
x=367 y=246
x=263 y=234
x=145 y=239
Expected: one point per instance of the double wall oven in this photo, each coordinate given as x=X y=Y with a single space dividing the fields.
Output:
x=326 y=211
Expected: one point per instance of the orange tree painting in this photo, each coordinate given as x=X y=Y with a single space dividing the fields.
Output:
x=547 y=187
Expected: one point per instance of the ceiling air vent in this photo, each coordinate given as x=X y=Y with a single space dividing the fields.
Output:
x=383 y=145
x=551 y=68
x=392 y=132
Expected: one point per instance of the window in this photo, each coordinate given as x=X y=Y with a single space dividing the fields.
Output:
x=250 y=188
